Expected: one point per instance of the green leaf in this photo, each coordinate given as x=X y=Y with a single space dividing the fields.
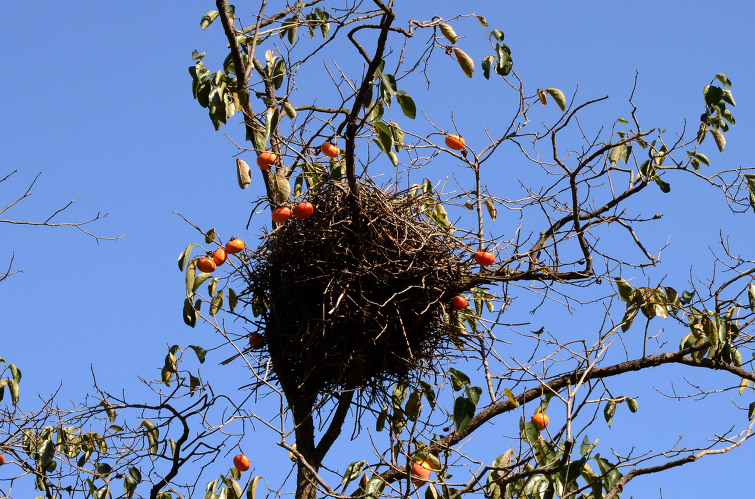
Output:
x=213 y=286
x=463 y=413
x=586 y=447
x=743 y=385
x=474 y=392
x=712 y=94
x=198 y=280
x=385 y=136
x=374 y=487
x=152 y=434
x=632 y=404
x=609 y=411
x=208 y=18
x=189 y=314
x=702 y=158
x=233 y=299
x=429 y=393
x=486 y=64
x=376 y=110
x=380 y=424
x=407 y=104
x=183 y=258
x=529 y=431
x=466 y=62
x=413 y=406
x=282 y=186
x=251 y=489
x=751 y=411
x=271 y=122
x=399 y=394
x=559 y=97
x=353 y=471
x=217 y=303
x=728 y=98
x=718 y=136
x=243 y=173
x=750 y=178
x=13 y=387
x=201 y=352
x=625 y=290
x=15 y=373
x=135 y=474
x=492 y=211
x=724 y=80
x=511 y=396
x=448 y=32
x=458 y=379
x=665 y=188
x=615 y=155
x=46 y=451
x=504 y=63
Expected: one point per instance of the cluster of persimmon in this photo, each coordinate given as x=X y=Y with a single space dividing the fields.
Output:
x=211 y=261
x=301 y=211
x=267 y=159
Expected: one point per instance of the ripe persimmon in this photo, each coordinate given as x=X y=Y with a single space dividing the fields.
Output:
x=541 y=420
x=2 y=459
x=266 y=159
x=303 y=210
x=330 y=150
x=422 y=470
x=484 y=258
x=256 y=341
x=219 y=256
x=455 y=142
x=206 y=264
x=281 y=214
x=241 y=462
x=234 y=246
x=459 y=302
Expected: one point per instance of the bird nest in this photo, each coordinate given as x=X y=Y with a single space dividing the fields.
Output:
x=355 y=302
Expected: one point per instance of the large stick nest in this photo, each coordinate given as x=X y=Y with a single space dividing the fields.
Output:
x=355 y=302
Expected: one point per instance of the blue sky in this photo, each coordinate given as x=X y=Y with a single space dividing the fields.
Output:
x=98 y=99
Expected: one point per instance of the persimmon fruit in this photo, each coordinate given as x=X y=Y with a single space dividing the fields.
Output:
x=256 y=341
x=219 y=256
x=303 y=210
x=330 y=150
x=459 y=302
x=234 y=246
x=206 y=264
x=241 y=462
x=266 y=159
x=422 y=470
x=455 y=142
x=484 y=258
x=281 y=214
x=2 y=459
x=541 y=420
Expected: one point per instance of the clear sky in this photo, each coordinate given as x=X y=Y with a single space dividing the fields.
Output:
x=97 y=97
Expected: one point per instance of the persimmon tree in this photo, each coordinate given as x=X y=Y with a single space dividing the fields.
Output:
x=355 y=303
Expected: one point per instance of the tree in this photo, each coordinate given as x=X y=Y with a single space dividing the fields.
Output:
x=356 y=302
